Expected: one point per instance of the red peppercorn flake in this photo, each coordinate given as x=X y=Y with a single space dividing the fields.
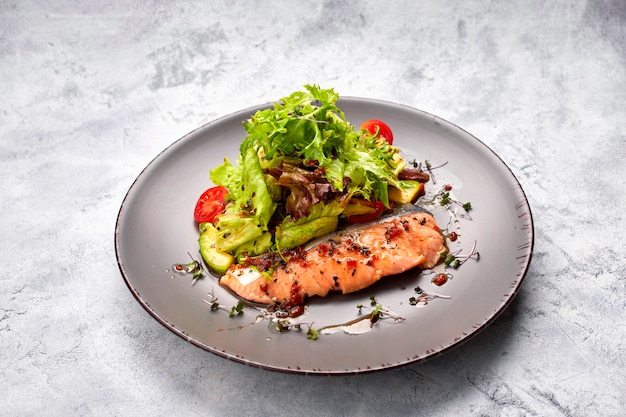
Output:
x=392 y=232
x=453 y=236
x=371 y=260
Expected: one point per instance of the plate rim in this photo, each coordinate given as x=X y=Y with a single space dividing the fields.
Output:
x=485 y=323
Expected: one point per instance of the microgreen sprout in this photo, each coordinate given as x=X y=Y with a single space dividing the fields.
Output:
x=194 y=268
x=238 y=309
x=424 y=297
x=375 y=314
x=285 y=325
x=455 y=260
x=379 y=312
x=372 y=300
x=445 y=199
x=232 y=311
x=430 y=169
x=312 y=334
x=427 y=166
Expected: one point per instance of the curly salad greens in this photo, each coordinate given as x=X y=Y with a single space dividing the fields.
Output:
x=302 y=169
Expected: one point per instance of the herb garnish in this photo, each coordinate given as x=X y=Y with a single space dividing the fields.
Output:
x=232 y=310
x=285 y=325
x=424 y=297
x=378 y=311
x=429 y=168
x=445 y=199
x=455 y=260
x=194 y=268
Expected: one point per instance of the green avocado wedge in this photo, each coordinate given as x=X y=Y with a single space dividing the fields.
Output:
x=216 y=260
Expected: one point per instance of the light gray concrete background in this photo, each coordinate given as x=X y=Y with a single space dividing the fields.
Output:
x=91 y=91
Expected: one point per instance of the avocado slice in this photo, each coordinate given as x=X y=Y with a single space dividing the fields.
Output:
x=216 y=260
x=408 y=192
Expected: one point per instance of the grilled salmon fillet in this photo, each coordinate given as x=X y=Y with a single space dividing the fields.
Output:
x=345 y=261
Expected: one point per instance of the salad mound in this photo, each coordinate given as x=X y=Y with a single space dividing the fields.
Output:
x=302 y=169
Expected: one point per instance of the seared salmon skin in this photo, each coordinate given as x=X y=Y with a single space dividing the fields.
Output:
x=346 y=261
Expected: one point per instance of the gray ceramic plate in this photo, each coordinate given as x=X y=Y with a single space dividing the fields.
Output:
x=155 y=229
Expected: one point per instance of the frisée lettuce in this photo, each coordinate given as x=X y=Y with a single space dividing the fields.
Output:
x=299 y=166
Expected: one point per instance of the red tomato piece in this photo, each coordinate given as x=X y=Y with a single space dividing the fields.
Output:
x=376 y=209
x=373 y=126
x=210 y=204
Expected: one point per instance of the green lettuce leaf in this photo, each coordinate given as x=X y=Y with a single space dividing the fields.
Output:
x=305 y=129
x=323 y=219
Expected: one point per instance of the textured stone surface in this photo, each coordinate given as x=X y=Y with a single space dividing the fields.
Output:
x=92 y=91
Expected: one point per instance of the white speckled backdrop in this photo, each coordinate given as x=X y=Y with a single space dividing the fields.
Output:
x=92 y=91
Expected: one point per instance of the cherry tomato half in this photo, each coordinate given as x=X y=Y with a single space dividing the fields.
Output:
x=383 y=130
x=368 y=211
x=210 y=203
